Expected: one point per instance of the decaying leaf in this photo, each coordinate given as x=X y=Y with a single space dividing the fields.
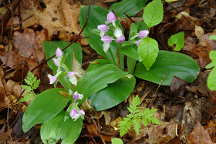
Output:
x=199 y=135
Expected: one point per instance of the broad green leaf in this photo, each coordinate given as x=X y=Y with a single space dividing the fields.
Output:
x=97 y=16
x=133 y=30
x=128 y=7
x=97 y=79
x=148 y=51
x=44 y=107
x=130 y=51
x=117 y=141
x=211 y=81
x=177 y=40
x=131 y=63
x=212 y=55
x=114 y=94
x=60 y=129
x=212 y=37
x=153 y=13
x=168 y=65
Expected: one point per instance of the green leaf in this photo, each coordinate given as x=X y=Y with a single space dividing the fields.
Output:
x=113 y=94
x=130 y=51
x=60 y=129
x=211 y=81
x=212 y=55
x=131 y=63
x=148 y=51
x=153 y=13
x=44 y=107
x=129 y=7
x=212 y=37
x=97 y=16
x=117 y=141
x=168 y=65
x=133 y=30
x=97 y=79
x=125 y=125
x=177 y=40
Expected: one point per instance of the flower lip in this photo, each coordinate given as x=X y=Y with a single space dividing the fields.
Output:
x=59 y=52
x=71 y=74
x=82 y=112
x=56 y=61
x=106 y=39
x=120 y=39
x=111 y=17
x=74 y=114
x=52 y=79
x=77 y=96
x=137 y=42
x=103 y=28
x=143 y=33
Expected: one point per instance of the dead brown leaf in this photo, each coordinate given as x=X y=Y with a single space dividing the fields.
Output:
x=159 y=134
x=59 y=15
x=199 y=135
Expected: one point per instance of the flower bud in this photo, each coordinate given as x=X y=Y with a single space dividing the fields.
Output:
x=143 y=33
x=59 y=52
x=103 y=28
x=111 y=17
x=52 y=79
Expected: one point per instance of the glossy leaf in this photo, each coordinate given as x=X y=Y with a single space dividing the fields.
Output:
x=153 y=13
x=97 y=16
x=44 y=107
x=128 y=7
x=114 y=94
x=148 y=51
x=97 y=79
x=168 y=65
x=61 y=128
x=177 y=40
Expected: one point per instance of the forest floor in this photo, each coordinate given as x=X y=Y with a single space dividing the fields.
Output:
x=187 y=111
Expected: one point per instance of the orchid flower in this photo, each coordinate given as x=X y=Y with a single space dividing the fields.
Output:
x=52 y=79
x=111 y=18
x=75 y=114
x=77 y=96
x=143 y=33
x=107 y=40
x=73 y=77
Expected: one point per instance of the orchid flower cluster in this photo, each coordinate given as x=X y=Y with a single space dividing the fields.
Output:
x=110 y=24
x=75 y=112
x=118 y=35
x=72 y=76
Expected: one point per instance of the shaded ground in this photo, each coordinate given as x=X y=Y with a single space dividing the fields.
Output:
x=187 y=111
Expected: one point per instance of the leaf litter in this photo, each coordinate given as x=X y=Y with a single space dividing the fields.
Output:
x=187 y=111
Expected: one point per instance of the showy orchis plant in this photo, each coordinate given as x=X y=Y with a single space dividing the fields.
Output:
x=74 y=109
x=107 y=81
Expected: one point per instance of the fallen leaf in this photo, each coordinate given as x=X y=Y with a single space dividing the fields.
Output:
x=199 y=135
